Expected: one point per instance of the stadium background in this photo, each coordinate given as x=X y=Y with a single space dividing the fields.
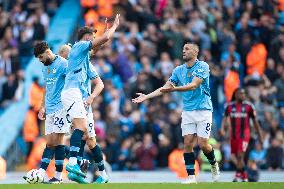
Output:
x=241 y=40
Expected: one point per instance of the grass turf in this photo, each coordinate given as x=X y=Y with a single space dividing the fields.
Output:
x=148 y=186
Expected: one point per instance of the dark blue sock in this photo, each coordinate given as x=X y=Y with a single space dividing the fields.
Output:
x=81 y=151
x=75 y=142
x=98 y=157
x=46 y=157
x=59 y=157
x=189 y=159
x=211 y=157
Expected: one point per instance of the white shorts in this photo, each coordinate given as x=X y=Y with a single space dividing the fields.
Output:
x=56 y=123
x=91 y=125
x=73 y=103
x=197 y=121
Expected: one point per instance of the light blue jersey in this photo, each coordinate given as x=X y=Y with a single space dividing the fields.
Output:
x=78 y=64
x=198 y=99
x=91 y=74
x=54 y=77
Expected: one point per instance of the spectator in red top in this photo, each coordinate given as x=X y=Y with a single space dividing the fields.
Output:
x=147 y=153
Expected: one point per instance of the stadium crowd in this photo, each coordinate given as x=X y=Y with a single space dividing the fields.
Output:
x=22 y=24
x=241 y=40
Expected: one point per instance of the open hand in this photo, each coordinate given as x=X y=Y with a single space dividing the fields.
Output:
x=141 y=97
x=88 y=102
x=116 y=21
x=41 y=113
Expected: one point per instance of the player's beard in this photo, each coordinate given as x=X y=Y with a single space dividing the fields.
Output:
x=187 y=59
x=47 y=62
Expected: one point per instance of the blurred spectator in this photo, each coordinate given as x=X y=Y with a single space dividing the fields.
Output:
x=253 y=172
x=124 y=155
x=36 y=94
x=9 y=90
x=30 y=130
x=258 y=155
x=279 y=84
x=281 y=119
x=231 y=81
x=256 y=60
x=274 y=155
x=7 y=64
x=25 y=49
x=164 y=150
x=146 y=153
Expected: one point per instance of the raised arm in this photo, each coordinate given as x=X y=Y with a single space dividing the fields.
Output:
x=100 y=40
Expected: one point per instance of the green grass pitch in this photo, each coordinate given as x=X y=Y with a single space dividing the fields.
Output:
x=148 y=186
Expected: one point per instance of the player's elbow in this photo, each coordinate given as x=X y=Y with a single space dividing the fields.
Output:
x=194 y=86
x=102 y=85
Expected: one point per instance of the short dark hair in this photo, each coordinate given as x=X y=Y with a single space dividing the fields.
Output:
x=85 y=30
x=40 y=48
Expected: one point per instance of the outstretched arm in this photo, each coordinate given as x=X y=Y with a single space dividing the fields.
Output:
x=142 y=97
x=191 y=86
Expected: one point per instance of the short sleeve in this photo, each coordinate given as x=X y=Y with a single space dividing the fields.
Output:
x=43 y=75
x=92 y=73
x=227 y=113
x=64 y=67
x=174 y=77
x=202 y=72
x=85 y=45
x=252 y=112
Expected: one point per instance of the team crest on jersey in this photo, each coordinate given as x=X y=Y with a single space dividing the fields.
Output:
x=54 y=70
x=188 y=74
x=48 y=70
x=199 y=70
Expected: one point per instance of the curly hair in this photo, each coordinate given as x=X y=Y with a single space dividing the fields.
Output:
x=85 y=30
x=40 y=48
x=234 y=96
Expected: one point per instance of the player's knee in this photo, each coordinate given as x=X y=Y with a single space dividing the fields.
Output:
x=188 y=145
x=240 y=156
x=80 y=124
x=203 y=144
x=50 y=144
x=59 y=139
x=91 y=142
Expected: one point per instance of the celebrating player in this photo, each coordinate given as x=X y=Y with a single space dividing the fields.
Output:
x=192 y=79
x=90 y=137
x=71 y=96
x=56 y=125
x=237 y=116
